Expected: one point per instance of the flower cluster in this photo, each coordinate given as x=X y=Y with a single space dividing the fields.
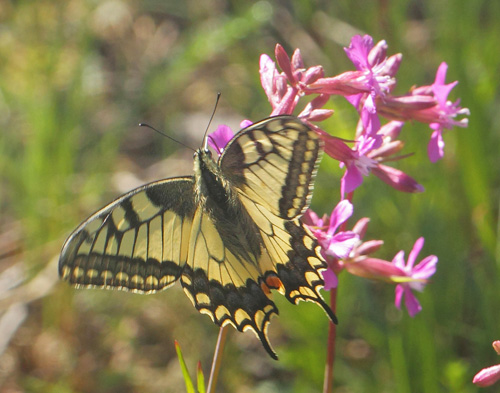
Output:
x=368 y=89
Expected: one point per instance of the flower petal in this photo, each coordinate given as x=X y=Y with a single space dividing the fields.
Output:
x=414 y=252
x=341 y=244
x=377 y=269
x=399 y=295
x=496 y=346
x=396 y=178
x=267 y=74
x=411 y=302
x=340 y=214
x=426 y=268
x=331 y=280
x=358 y=51
x=399 y=260
x=351 y=180
x=310 y=218
x=246 y=123
x=435 y=148
x=220 y=137
x=487 y=376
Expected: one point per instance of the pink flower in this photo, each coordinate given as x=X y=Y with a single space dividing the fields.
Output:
x=284 y=89
x=367 y=157
x=428 y=104
x=488 y=376
x=415 y=276
x=372 y=61
x=334 y=245
x=447 y=112
x=296 y=73
x=218 y=139
x=379 y=73
x=404 y=275
x=281 y=96
x=361 y=264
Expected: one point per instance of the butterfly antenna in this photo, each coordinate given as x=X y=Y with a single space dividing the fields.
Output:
x=205 y=139
x=165 y=135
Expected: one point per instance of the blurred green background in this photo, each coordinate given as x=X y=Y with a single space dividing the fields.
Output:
x=75 y=79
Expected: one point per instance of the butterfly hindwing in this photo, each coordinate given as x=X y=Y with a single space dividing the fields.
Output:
x=223 y=274
x=295 y=255
x=139 y=242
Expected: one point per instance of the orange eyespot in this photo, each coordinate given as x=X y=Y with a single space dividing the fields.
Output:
x=273 y=282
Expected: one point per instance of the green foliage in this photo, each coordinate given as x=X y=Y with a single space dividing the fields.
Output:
x=77 y=76
x=185 y=373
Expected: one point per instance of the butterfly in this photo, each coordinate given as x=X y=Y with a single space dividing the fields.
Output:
x=230 y=233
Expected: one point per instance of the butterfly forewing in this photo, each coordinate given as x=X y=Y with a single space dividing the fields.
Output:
x=138 y=242
x=274 y=162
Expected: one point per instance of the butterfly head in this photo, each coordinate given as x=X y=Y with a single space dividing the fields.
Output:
x=204 y=164
x=202 y=153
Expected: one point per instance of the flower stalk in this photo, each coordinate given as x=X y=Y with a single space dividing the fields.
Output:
x=217 y=359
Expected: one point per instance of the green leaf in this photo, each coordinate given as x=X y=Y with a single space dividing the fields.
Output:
x=200 y=379
x=185 y=372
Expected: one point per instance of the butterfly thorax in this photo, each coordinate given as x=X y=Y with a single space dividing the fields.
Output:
x=211 y=188
x=219 y=199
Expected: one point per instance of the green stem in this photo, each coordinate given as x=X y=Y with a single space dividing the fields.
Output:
x=217 y=360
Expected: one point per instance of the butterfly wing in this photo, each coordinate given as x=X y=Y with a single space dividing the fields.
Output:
x=295 y=257
x=224 y=282
x=273 y=163
x=139 y=242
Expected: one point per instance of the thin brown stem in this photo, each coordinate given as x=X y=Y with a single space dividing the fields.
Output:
x=330 y=354
x=332 y=329
x=217 y=360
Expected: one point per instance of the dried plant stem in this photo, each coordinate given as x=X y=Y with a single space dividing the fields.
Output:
x=217 y=360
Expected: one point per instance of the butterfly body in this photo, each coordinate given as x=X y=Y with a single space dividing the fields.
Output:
x=218 y=198
x=229 y=234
